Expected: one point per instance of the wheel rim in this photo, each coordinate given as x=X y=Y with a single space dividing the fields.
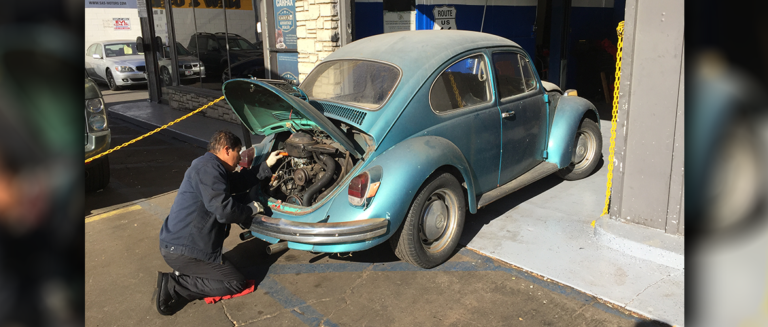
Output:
x=438 y=220
x=583 y=152
x=166 y=77
x=111 y=79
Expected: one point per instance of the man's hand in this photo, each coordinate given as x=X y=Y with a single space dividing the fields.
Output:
x=256 y=207
x=272 y=160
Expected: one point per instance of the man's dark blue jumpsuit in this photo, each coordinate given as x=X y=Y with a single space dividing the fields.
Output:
x=193 y=234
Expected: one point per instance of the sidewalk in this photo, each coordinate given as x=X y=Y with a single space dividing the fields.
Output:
x=546 y=228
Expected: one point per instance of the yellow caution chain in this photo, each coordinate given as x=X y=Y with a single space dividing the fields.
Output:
x=614 y=113
x=155 y=131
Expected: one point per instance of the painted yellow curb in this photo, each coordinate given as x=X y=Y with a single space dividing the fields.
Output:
x=112 y=213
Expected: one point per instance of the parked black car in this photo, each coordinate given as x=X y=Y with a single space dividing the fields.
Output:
x=211 y=48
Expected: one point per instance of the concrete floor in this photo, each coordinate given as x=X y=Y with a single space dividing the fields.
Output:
x=547 y=228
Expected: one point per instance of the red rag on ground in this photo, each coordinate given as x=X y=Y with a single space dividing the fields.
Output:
x=250 y=286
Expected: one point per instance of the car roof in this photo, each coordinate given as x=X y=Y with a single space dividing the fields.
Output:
x=116 y=41
x=417 y=48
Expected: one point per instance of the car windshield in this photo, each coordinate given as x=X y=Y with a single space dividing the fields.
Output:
x=364 y=84
x=180 y=51
x=121 y=49
x=237 y=44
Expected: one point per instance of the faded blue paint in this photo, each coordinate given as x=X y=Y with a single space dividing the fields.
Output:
x=568 y=114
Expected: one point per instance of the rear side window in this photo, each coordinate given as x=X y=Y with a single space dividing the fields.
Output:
x=463 y=84
x=509 y=75
x=528 y=79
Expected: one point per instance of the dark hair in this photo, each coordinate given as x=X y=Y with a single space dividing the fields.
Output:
x=222 y=138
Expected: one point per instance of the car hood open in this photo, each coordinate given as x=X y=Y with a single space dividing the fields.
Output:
x=264 y=109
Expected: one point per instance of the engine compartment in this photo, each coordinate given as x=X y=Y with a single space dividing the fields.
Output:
x=312 y=167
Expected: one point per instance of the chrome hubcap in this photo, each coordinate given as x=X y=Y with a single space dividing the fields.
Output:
x=438 y=220
x=585 y=146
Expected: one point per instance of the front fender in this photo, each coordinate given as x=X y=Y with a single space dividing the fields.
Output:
x=568 y=114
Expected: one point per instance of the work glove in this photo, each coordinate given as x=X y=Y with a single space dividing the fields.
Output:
x=272 y=160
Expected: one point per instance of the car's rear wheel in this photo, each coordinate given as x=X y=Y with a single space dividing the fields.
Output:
x=433 y=225
x=587 y=150
x=97 y=174
x=111 y=82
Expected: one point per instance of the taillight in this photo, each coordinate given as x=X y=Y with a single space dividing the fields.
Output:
x=358 y=189
x=246 y=157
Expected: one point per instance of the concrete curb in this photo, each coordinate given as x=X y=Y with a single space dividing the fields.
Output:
x=167 y=132
x=656 y=246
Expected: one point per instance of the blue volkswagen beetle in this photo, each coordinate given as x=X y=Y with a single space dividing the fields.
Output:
x=394 y=137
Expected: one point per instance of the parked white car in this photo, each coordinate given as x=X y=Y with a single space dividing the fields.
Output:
x=116 y=63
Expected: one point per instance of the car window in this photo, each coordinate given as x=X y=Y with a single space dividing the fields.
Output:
x=364 y=84
x=99 y=50
x=211 y=45
x=192 y=43
x=509 y=76
x=528 y=78
x=90 y=50
x=463 y=84
x=121 y=49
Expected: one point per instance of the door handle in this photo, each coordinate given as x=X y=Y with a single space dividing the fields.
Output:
x=508 y=114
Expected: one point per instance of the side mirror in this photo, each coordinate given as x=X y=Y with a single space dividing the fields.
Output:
x=140 y=44
x=96 y=56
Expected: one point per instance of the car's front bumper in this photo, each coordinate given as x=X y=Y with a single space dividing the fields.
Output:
x=132 y=78
x=319 y=233
x=97 y=142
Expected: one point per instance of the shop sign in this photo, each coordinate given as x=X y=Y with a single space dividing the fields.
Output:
x=285 y=27
x=122 y=23
x=445 y=18
x=288 y=66
x=113 y=4
x=395 y=21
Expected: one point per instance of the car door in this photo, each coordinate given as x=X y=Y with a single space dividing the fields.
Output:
x=462 y=99
x=89 y=60
x=100 y=65
x=523 y=113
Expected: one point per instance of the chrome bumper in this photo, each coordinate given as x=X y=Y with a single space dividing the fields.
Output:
x=319 y=233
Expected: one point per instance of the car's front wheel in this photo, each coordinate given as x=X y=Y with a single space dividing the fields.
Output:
x=165 y=77
x=587 y=150
x=433 y=225
x=111 y=81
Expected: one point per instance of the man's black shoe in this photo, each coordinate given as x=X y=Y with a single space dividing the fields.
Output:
x=165 y=303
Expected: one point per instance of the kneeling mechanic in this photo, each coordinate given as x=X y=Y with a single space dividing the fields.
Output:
x=193 y=234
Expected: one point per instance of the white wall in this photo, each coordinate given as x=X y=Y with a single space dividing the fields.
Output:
x=99 y=24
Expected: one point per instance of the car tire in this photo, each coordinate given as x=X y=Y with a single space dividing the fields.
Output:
x=97 y=174
x=165 y=77
x=432 y=227
x=111 y=82
x=587 y=150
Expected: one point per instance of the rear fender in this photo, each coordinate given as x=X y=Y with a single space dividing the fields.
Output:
x=568 y=114
x=407 y=165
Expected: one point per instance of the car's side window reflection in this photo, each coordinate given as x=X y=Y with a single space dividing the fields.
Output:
x=509 y=76
x=528 y=78
x=463 y=84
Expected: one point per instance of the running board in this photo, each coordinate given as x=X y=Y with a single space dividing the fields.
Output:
x=536 y=173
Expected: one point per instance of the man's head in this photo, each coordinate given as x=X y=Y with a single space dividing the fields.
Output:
x=226 y=146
